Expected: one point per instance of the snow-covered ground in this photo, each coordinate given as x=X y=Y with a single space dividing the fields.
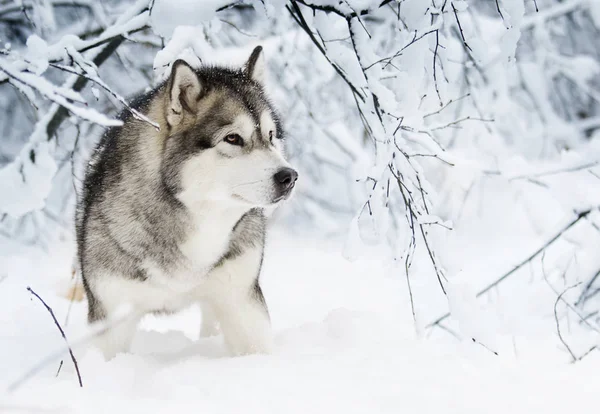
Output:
x=345 y=342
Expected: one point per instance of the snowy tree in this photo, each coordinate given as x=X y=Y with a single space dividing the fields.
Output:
x=399 y=114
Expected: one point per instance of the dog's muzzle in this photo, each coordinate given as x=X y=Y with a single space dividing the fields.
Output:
x=285 y=180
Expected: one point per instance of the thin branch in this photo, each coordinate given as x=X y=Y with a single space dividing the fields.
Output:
x=500 y=11
x=61 y=332
x=95 y=79
x=561 y=9
x=462 y=35
x=438 y=271
x=558 y=324
x=399 y=52
x=97 y=330
x=59 y=367
x=296 y=13
x=433 y=156
x=485 y=346
x=582 y=318
x=458 y=121
x=61 y=114
x=554 y=172
x=410 y=250
x=450 y=331
x=451 y=101
x=231 y=5
x=584 y=296
x=333 y=9
x=435 y=53
x=482 y=292
x=587 y=352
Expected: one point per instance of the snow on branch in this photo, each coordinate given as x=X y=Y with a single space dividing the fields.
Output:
x=58 y=94
x=579 y=216
x=27 y=180
x=395 y=121
x=558 y=10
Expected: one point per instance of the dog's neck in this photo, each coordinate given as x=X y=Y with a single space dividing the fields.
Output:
x=216 y=213
x=209 y=231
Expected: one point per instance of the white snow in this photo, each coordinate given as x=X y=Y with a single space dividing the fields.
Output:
x=27 y=194
x=37 y=54
x=168 y=14
x=344 y=338
x=514 y=112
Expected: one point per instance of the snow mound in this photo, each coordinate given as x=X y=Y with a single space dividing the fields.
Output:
x=344 y=342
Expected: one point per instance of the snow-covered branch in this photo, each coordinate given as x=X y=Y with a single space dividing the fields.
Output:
x=27 y=179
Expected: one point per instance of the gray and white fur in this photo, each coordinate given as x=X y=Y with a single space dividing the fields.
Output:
x=178 y=216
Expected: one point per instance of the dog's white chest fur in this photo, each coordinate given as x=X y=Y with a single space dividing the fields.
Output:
x=209 y=235
x=206 y=242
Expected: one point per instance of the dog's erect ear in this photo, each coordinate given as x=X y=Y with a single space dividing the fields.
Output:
x=255 y=67
x=184 y=92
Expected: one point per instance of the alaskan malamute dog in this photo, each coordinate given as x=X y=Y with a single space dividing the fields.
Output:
x=177 y=216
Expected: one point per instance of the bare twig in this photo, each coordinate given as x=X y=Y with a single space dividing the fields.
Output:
x=96 y=79
x=532 y=256
x=389 y=59
x=438 y=271
x=462 y=35
x=499 y=11
x=410 y=251
x=558 y=324
x=435 y=53
x=587 y=352
x=97 y=330
x=59 y=367
x=582 y=318
x=584 y=293
x=485 y=346
x=446 y=105
x=458 y=121
x=559 y=171
x=296 y=13
x=61 y=332
x=332 y=9
x=560 y=9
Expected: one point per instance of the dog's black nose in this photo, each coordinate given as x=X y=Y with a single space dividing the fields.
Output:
x=285 y=179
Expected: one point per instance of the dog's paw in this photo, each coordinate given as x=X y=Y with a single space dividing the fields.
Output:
x=209 y=329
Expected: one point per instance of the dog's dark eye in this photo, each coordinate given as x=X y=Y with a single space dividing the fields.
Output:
x=234 y=139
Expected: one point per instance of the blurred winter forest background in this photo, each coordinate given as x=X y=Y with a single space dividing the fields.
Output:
x=461 y=138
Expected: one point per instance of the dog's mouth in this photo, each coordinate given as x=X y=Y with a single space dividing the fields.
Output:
x=281 y=197
x=284 y=196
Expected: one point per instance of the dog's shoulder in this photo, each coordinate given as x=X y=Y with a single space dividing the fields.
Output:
x=247 y=234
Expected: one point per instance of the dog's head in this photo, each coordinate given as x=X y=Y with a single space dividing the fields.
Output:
x=224 y=138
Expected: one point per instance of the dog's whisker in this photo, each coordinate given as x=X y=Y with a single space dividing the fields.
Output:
x=248 y=183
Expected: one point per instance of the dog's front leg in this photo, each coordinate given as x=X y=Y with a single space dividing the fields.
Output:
x=239 y=304
x=210 y=323
x=117 y=336
x=108 y=295
x=246 y=326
